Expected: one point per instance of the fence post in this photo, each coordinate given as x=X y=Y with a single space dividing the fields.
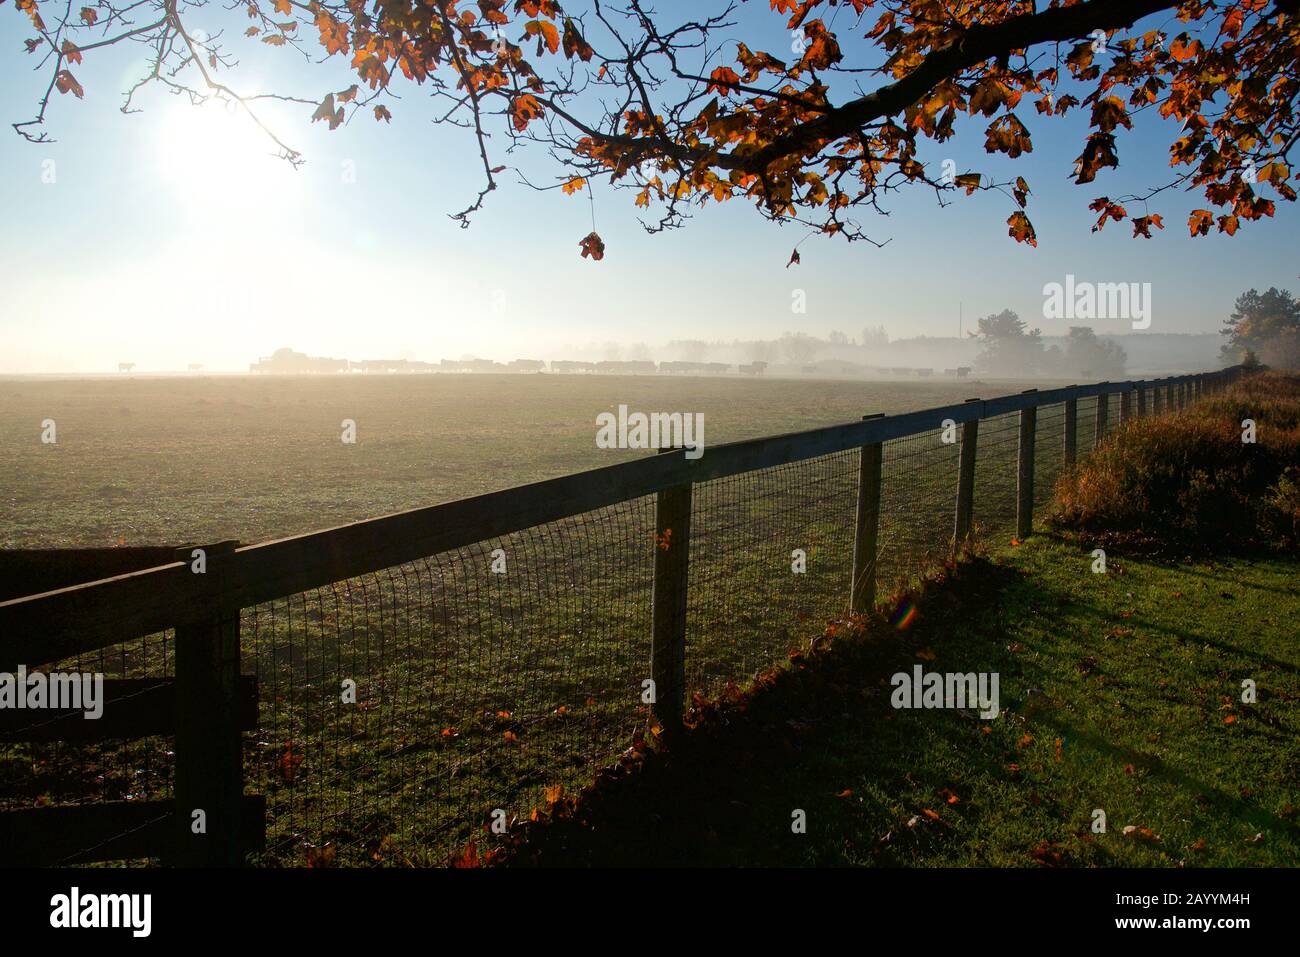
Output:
x=1142 y=401
x=965 y=482
x=1156 y=391
x=1025 y=472
x=1126 y=405
x=866 y=536
x=1103 y=401
x=1071 y=431
x=209 y=766
x=668 y=638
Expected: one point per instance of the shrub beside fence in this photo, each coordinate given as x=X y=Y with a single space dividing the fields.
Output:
x=376 y=692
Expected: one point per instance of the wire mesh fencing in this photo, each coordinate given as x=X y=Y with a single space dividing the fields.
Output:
x=401 y=711
x=918 y=487
x=37 y=772
x=770 y=555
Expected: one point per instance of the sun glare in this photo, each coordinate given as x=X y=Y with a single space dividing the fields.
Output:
x=220 y=162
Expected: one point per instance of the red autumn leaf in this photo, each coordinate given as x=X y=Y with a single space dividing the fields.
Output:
x=322 y=856
x=592 y=245
x=724 y=79
x=288 y=762
x=65 y=82
x=467 y=858
x=574 y=44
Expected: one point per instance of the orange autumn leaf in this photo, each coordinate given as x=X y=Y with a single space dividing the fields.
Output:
x=1022 y=230
x=467 y=858
x=724 y=78
x=523 y=110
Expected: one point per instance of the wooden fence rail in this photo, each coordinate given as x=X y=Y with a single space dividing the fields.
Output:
x=209 y=703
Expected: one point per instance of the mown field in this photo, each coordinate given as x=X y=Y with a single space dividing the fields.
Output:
x=166 y=460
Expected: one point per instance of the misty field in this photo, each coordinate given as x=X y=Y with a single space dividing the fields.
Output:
x=142 y=461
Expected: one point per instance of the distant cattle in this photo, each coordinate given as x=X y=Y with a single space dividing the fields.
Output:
x=526 y=365
x=125 y=366
x=685 y=367
x=625 y=367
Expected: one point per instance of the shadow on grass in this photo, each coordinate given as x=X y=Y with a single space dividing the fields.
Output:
x=728 y=791
x=819 y=741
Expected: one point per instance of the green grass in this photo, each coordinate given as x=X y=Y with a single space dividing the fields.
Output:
x=1116 y=693
x=172 y=460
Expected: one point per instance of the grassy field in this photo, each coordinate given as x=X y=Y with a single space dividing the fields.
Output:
x=167 y=460
x=475 y=690
x=1120 y=692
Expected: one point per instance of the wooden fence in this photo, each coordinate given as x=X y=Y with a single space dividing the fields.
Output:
x=209 y=704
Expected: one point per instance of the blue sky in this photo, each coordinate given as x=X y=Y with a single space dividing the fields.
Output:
x=171 y=236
